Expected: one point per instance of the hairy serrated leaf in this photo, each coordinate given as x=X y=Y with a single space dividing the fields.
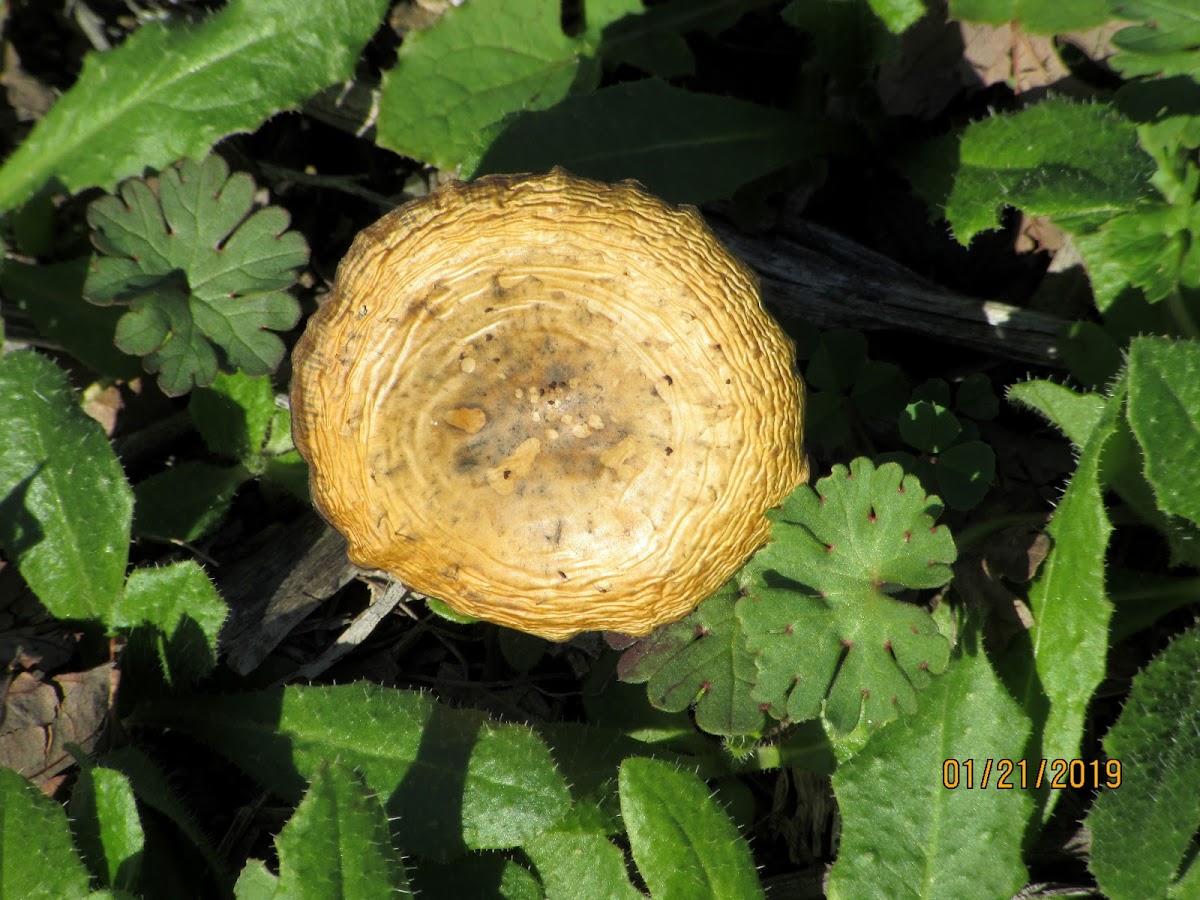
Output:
x=929 y=840
x=828 y=631
x=39 y=861
x=171 y=92
x=205 y=277
x=478 y=783
x=683 y=842
x=337 y=843
x=1164 y=413
x=1056 y=158
x=173 y=614
x=1142 y=825
x=65 y=506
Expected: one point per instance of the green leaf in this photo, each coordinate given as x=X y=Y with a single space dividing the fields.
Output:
x=1141 y=830
x=186 y=501
x=975 y=398
x=153 y=789
x=37 y=860
x=174 y=615
x=684 y=146
x=205 y=277
x=898 y=15
x=337 y=844
x=1165 y=45
x=701 y=659
x=432 y=880
x=108 y=831
x=52 y=296
x=1145 y=248
x=66 y=506
x=580 y=865
x=833 y=634
x=1053 y=159
x=1035 y=16
x=454 y=779
x=1075 y=415
x=965 y=473
x=932 y=840
x=256 y=882
x=1092 y=354
x=478 y=62
x=880 y=390
x=1164 y=412
x=167 y=93
x=929 y=427
x=234 y=415
x=838 y=360
x=1071 y=612
x=683 y=842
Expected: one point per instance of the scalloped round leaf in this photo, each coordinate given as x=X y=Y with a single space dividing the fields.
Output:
x=836 y=635
x=235 y=264
x=701 y=659
x=142 y=330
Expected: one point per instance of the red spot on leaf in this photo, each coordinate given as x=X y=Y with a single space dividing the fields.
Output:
x=789 y=630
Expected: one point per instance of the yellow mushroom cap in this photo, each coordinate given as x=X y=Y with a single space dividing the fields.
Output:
x=552 y=403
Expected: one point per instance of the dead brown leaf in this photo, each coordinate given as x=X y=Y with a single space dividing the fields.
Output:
x=41 y=717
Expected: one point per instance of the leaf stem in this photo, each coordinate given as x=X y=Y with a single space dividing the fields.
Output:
x=1181 y=316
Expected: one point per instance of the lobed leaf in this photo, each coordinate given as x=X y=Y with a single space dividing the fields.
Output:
x=65 y=506
x=683 y=842
x=931 y=839
x=828 y=631
x=1141 y=830
x=454 y=779
x=204 y=277
x=172 y=92
x=701 y=659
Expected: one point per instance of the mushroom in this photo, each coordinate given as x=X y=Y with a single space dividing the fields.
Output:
x=552 y=403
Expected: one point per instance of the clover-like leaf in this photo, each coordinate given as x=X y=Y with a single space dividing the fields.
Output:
x=817 y=611
x=701 y=659
x=204 y=275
